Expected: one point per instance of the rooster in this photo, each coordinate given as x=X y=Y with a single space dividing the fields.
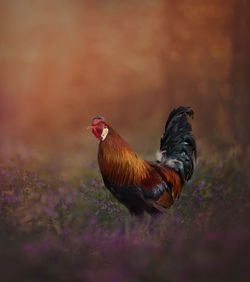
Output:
x=146 y=185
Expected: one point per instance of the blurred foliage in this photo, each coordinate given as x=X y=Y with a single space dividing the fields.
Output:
x=74 y=230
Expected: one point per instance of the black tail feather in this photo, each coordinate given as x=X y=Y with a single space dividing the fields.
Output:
x=178 y=145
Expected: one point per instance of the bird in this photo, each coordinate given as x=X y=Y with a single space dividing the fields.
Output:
x=147 y=186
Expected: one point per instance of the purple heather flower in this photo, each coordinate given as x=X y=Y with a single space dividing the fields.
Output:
x=50 y=212
x=177 y=218
x=62 y=190
x=199 y=187
x=83 y=185
x=92 y=221
x=64 y=207
x=69 y=200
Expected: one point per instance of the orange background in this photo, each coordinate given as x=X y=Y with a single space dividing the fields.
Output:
x=63 y=62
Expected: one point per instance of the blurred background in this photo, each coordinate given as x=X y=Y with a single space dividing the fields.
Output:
x=132 y=61
x=63 y=62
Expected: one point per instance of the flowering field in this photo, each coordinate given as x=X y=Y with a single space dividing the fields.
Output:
x=74 y=230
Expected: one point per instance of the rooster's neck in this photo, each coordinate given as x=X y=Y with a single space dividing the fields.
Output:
x=118 y=162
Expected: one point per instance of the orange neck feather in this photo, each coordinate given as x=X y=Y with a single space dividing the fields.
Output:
x=119 y=163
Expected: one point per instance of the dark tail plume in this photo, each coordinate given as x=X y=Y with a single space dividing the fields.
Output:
x=178 y=146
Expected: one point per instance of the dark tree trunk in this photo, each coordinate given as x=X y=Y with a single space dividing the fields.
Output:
x=240 y=75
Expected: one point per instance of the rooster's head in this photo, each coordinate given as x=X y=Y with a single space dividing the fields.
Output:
x=99 y=128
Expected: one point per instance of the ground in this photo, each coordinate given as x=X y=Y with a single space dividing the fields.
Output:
x=54 y=229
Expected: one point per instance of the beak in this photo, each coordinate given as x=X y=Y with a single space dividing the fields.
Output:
x=90 y=127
